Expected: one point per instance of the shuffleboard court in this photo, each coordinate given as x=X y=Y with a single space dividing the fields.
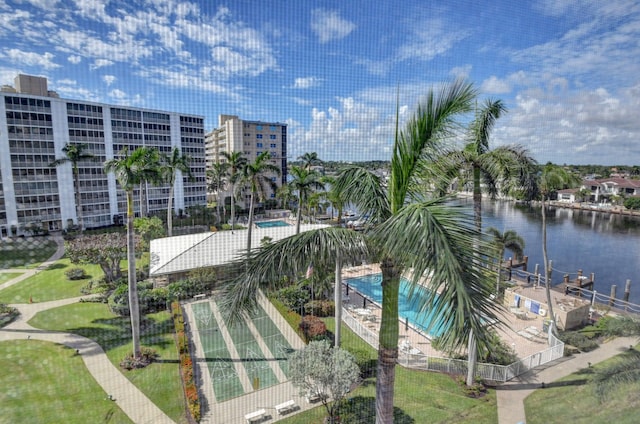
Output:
x=225 y=380
x=273 y=338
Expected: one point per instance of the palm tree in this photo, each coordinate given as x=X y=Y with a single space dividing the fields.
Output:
x=309 y=160
x=303 y=181
x=430 y=237
x=236 y=161
x=217 y=176
x=73 y=154
x=129 y=170
x=551 y=179
x=171 y=164
x=258 y=175
x=490 y=169
x=150 y=172
x=509 y=240
x=427 y=236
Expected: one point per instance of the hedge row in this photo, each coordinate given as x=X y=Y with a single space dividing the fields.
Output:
x=186 y=364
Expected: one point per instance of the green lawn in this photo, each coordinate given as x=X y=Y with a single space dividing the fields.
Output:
x=6 y=276
x=420 y=397
x=25 y=252
x=49 y=284
x=160 y=381
x=572 y=400
x=64 y=392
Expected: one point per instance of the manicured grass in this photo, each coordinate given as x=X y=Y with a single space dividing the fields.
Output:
x=6 y=276
x=572 y=400
x=160 y=381
x=420 y=397
x=25 y=253
x=49 y=284
x=45 y=382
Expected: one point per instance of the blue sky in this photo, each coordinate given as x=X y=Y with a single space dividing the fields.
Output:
x=568 y=71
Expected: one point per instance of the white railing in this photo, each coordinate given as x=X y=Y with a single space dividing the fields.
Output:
x=492 y=372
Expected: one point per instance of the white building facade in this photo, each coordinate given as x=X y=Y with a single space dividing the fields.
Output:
x=35 y=124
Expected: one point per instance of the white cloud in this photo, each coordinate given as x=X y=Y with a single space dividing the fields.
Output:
x=44 y=61
x=74 y=59
x=328 y=25
x=306 y=82
x=461 y=71
x=108 y=79
x=193 y=79
x=495 y=85
x=100 y=63
x=118 y=94
x=429 y=39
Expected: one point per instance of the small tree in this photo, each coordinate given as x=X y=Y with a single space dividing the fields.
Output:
x=106 y=250
x=149 y=229
x=324 y=372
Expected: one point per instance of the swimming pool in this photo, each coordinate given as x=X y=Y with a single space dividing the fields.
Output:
x=270 y=224
x=370 y=287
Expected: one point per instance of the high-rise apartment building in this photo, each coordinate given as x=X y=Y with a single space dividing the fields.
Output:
x=251 y=138
x=35 y=124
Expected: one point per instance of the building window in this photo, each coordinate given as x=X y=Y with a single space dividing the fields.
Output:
x=258 y=144
x=259 y=127
x=272 y=136
x=272 y=128
x=258 y=135
x=273 y=145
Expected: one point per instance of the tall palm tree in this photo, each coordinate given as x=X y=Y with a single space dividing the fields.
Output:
x=427 y=236
x=508 y=240
x=217 y=177
x=310 y=159
x=303 y=181
x=430 y=237
x=489 y=169
x=150 y=172
x=74 y=153
x=551 y=179
x=129 y=170
x=236 y=161
x=258 y=175
x=171 y=164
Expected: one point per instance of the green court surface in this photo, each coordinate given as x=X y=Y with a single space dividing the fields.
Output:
x=257 y=366
x=225 y=380
x=273 y=338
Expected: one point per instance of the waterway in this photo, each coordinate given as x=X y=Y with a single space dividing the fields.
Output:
x=607 y=245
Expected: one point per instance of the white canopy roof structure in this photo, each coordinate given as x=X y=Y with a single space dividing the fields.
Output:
x=177 y=254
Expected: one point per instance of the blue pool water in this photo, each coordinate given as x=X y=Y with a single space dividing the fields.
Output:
x=370 y=287
x=270 y=224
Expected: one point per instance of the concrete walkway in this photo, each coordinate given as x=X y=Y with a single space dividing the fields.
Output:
x=126 y=395
x=26 y=273
x=511 y=395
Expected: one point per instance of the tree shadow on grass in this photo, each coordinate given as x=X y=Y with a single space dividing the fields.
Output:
x=362 y=410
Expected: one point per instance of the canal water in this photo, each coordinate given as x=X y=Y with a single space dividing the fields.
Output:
x=605 y=244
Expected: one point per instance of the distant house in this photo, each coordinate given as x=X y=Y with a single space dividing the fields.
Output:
x=569 y=195
x=603 y=189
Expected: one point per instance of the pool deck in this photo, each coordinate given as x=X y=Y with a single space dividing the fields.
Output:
x=514 y=331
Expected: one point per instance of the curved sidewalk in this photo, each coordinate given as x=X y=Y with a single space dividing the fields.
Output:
x=26 y=273
x=511 y=395
x=126 y=395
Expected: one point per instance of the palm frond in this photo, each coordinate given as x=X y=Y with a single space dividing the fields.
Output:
x=270 y=263
x=436 y=241
x=624 y=369
x=365 y=190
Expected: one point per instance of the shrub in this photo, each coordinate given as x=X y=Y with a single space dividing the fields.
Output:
x=313 y=328
x=76 y=273
x=149 y=299
x=147 y=356
x=320 y=308
x=366 y=364
x=292 y=297
x=578 y=340
x=186 y=364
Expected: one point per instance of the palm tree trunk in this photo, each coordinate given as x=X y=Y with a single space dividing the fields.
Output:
x=134 y=309
x=472 y=353
x=388 y=349
x=477 y=198
x=170 y=210
x=547 y=270
x=499 y=272
x=337 y=298
x=233 y=206
x=250 y=222
x=76 y=181
x=298 y=218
